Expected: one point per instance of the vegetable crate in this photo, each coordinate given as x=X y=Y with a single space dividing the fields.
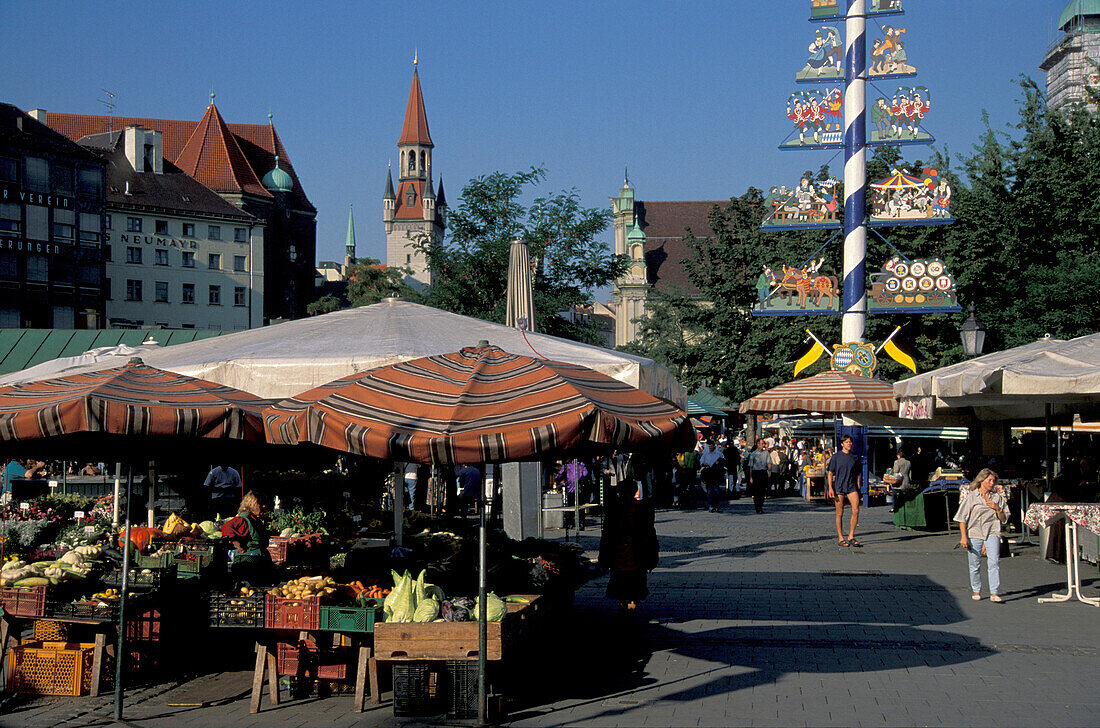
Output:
x=237 y=611
x=296 y=614
x=462 y=689
x=144 y=626
x=51 y=668
x=348 y=619
x=161 y=561
x=194 y=561
x=90 y=610
x=138 y=579
x=418 y=688
x=48 y=630
x=289 y=656
x=24 y=601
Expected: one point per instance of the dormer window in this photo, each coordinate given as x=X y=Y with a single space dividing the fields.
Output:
x=410 y=197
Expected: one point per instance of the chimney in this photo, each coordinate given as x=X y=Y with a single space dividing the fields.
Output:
x=38 y=115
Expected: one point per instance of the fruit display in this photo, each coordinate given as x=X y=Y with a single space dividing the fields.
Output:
x=306 y=587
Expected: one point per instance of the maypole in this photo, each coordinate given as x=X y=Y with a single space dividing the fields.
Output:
x=855 y=174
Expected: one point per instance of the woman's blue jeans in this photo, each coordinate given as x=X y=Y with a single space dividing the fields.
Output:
x=993 y=563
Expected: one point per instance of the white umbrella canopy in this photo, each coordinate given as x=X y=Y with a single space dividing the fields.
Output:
x=1015 y=384
x=280 y=361
x=521 y=288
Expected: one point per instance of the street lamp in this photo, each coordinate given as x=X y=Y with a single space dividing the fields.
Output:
x=972 y=332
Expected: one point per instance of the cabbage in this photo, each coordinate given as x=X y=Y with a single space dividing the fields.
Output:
x=402 y=600
x=495 y=609
x=432 y=591
x=421 y=591
x=426 y=611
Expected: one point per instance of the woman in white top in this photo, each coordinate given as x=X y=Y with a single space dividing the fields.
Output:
x=980 y=515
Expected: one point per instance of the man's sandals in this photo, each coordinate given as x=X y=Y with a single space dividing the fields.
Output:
x=852 y=542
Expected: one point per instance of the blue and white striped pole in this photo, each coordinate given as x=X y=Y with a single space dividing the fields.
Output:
x=855 y=173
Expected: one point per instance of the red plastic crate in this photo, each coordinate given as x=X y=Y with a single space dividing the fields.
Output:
x=295 y=614
x=24 y=601
x=144 y=626
x=277 y=547
x=287 y=658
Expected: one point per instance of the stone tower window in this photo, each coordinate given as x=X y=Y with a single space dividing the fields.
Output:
x=412 y=161
x=423 y=164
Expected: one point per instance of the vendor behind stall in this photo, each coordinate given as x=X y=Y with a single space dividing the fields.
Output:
x=251 y=562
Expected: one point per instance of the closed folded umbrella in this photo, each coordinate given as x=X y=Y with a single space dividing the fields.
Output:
x=828 y=392
x=520 y=301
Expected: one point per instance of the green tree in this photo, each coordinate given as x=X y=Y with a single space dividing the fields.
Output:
x=369 y=282
x=470 y=267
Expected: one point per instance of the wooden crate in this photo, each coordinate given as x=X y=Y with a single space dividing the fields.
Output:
x=452 y=640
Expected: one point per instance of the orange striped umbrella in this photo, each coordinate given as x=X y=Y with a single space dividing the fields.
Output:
x=135 y=400
x=828 y=392
x=478 y=405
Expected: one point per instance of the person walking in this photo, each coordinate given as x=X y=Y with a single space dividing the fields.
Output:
x=980 y=516
x=844 y=474
x=628 y=547
x=712 y=471
x=758 y=474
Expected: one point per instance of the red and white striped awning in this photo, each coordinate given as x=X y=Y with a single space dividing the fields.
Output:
x=828 y=392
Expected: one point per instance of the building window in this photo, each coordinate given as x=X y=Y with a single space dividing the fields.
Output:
x=238 y=295
x=214 y=261
x=38 y=268
x=189 y=230
x=214 y=232
x=88 y=274
x=9 y=170
x=11 y=218
x=10 y=318
x=410 y=197
x=161 y=292
x=215 y=295
x=188 y=259
x=160 y=256
x=240 y=235
x=64 y=225
x=188 y=293
x=108 y=290
x=162 y=227
x=62 y=270
x=238 y=263
x=107 y=222
x=38 y=174
x=133 y=290
x=187 y=326
x=133 y=254
x=38 y=226
x=9 y=267
x=90 y=182
x=133 y=224
x=64 y=317
x=63 y=180
x=89 y=228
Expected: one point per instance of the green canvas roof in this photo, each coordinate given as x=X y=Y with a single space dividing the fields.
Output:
x=707 y=398
x=22 y=348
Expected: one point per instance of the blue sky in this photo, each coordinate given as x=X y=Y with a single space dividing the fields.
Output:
x=690 y=94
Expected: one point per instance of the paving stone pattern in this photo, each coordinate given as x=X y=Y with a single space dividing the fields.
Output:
x=759 y=620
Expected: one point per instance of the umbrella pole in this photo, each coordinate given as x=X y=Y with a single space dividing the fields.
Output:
x=398 y=504
x=482 y=608
x=114 y=503
x=120 y=654
x=1046 y=446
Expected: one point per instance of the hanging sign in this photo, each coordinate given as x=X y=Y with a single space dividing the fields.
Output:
x=832 y=10
x=889 y=58
x=854 y=358
x=817 y=117
x=797 y=291
x=812 y=204
x=912 y=286
x=826 y=59
x=897 y=120
x=909 y=199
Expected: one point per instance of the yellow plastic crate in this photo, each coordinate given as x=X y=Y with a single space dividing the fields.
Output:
x=49 y=630
x=51 y=668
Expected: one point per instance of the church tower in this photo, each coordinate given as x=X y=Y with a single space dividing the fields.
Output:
x=631 y=289
x=413 y=213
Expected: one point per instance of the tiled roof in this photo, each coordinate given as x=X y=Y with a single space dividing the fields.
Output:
x=213 y=157
x=665 y=224
x=403 y=211
x=415 y=130
x=36 y=136
x=258 y=142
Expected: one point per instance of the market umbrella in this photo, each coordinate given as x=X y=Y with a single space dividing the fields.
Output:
x=899 y=181
x=124 y=403
x=477 y=405
x=831 y=392
x=520 y=312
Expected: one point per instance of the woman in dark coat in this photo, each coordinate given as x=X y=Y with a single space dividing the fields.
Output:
x=628 y=546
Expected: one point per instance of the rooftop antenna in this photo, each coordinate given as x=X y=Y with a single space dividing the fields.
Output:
x=109 y=104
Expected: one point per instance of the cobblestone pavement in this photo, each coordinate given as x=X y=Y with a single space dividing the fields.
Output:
x=758 y=620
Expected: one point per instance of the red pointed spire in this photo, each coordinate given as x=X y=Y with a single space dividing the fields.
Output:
x=415 y=130
x=213 y=157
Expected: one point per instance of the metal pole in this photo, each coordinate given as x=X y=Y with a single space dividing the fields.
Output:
x=1046 y=446
x=398 y=504
x=120 y=653
x=855 y=174
x=114 y=504
x=482 y=607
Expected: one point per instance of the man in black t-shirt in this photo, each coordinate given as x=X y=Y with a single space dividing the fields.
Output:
x=844 y=473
